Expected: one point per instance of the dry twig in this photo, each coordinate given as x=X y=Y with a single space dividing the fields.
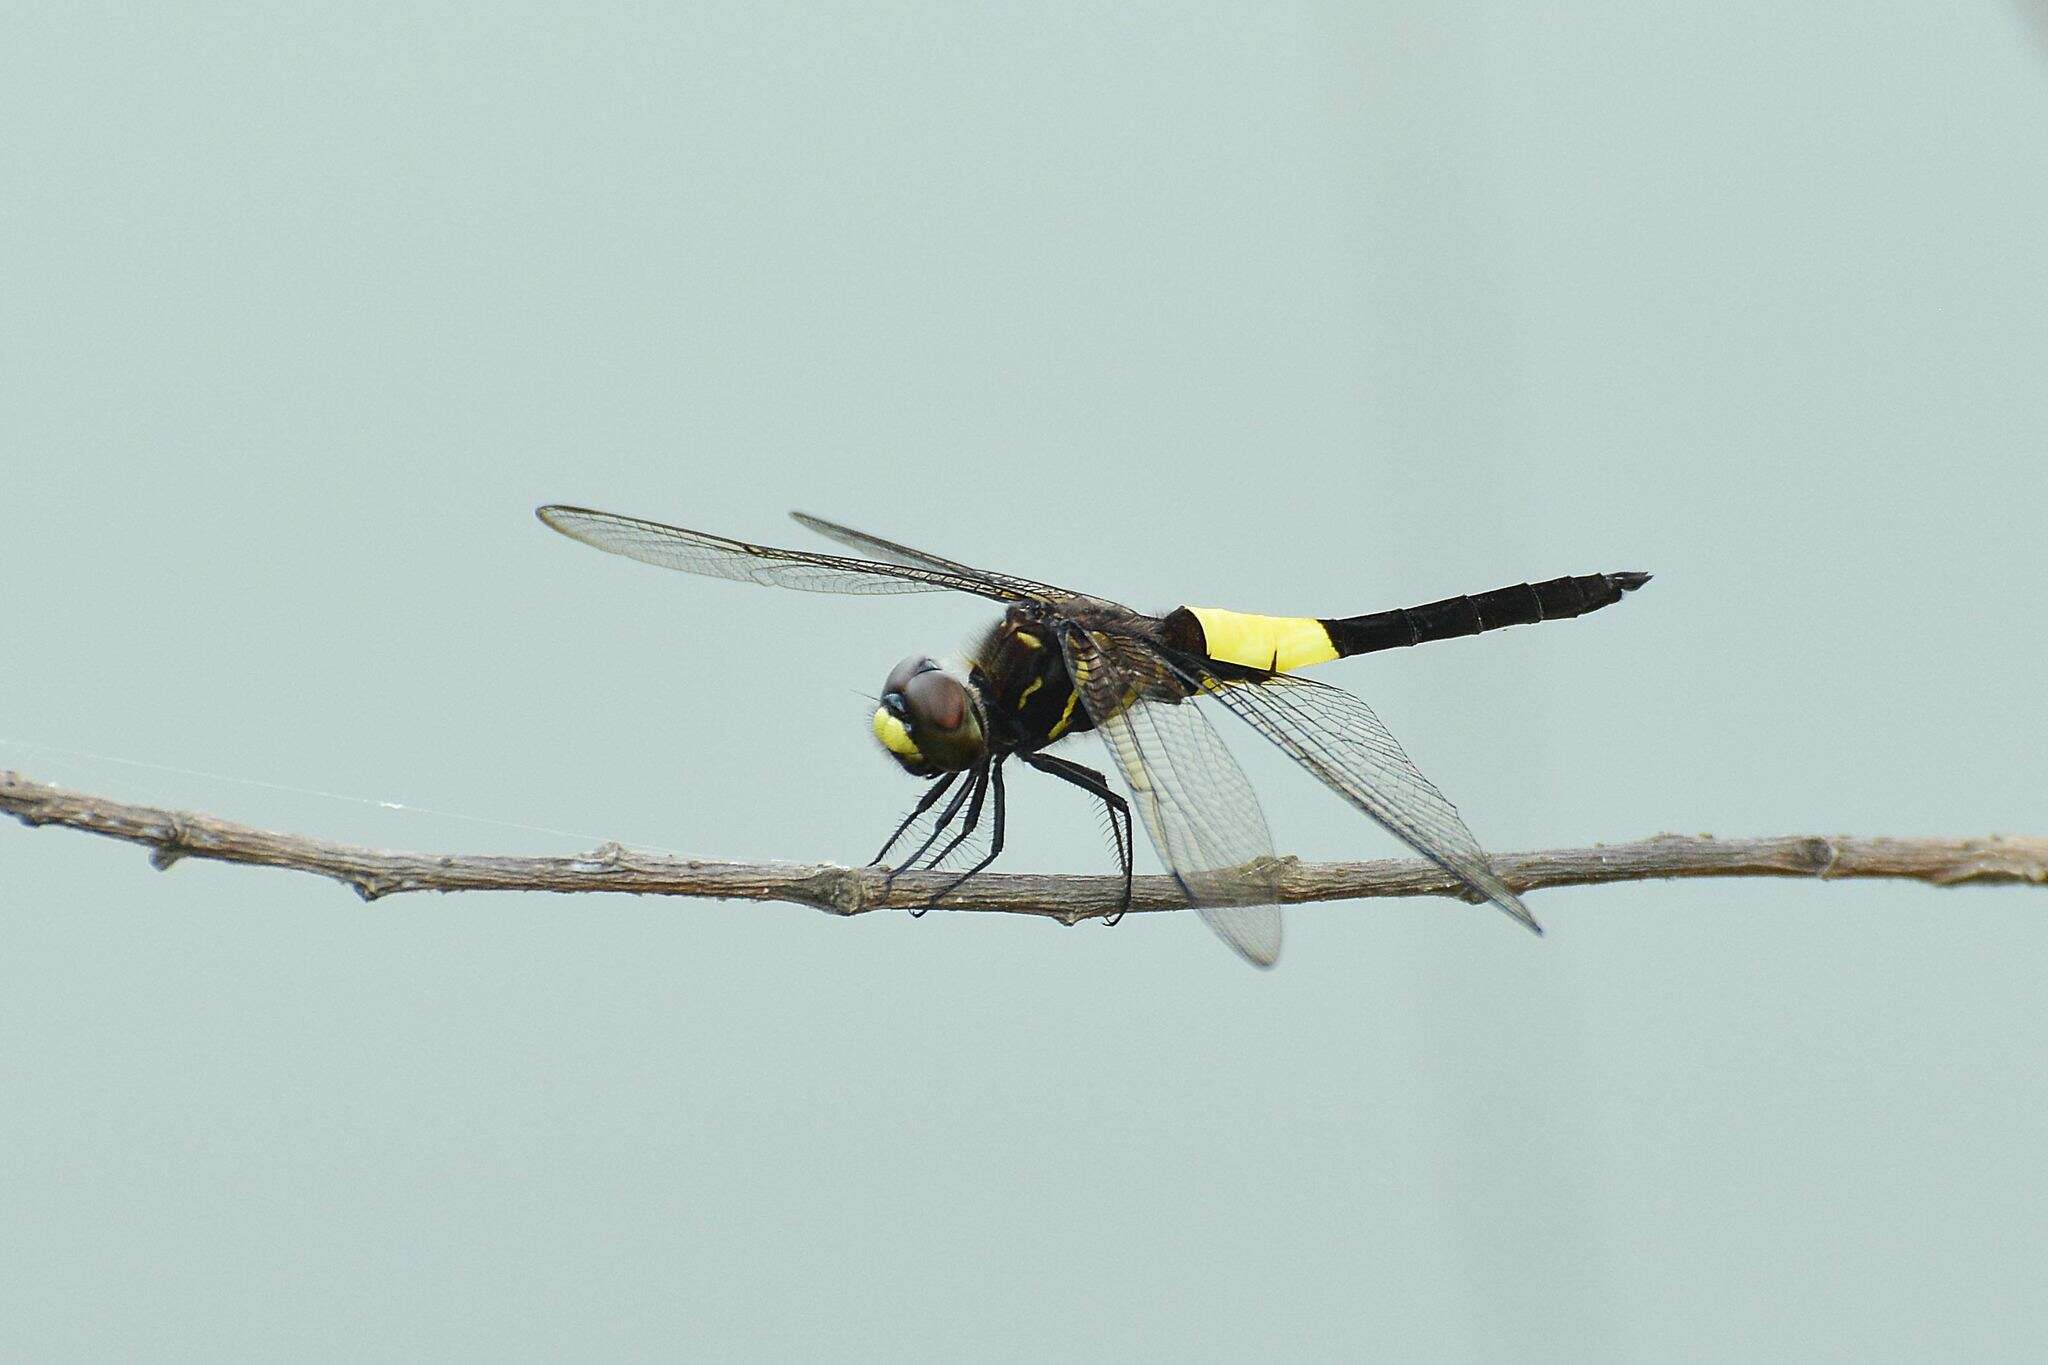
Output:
x=174 y=835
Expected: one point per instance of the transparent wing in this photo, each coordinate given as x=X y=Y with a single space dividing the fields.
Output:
x=1195 y=802
x=1336 y=736
x=891 y=552
x=698 y=552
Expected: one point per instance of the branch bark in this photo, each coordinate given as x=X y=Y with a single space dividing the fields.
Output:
x=374 y=873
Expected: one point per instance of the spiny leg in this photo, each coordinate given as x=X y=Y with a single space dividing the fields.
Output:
x=1127 y=853
x=924 y=803
x=1121 y=831
x=975 y=789
x=967 y=827
x=995 y=843
x=946 y=817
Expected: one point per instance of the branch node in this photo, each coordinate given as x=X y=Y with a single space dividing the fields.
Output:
x=166 y=852
x=835 y=890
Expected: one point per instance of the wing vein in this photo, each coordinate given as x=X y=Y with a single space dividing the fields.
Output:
x=1196 y=804
x=699 y=552
x=1338 y=739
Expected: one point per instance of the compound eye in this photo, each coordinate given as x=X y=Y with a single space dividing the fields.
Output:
x=937 y=702
x=900 y=676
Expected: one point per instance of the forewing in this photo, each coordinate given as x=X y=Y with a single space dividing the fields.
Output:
x=699 y=552
x=1195 y=802
x=891 y=552
x=1336 y=736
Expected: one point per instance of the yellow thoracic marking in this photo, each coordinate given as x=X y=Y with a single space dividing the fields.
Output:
x=1275 y=642
x=1028 y=640
x=1066 y=717
x=894 y=737
x=1036 y=683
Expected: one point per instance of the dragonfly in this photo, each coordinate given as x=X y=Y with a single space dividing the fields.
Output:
x=1061 y=663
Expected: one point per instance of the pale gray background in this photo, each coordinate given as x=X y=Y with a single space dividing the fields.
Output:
x=1320 y=308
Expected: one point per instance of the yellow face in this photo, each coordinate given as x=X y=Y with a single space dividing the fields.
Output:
x=895 y=736
x=929 y=720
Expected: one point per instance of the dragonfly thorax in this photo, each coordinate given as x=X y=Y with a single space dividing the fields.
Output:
x=929 y=720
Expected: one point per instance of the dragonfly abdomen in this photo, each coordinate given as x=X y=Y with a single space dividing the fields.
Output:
x=1271 y=644
x=1281 y=644
x=1555 y=599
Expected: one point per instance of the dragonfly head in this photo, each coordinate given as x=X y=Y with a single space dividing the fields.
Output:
x=929 y=720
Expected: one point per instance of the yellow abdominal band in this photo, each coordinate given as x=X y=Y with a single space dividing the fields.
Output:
x=1282 y=643
x=894 y=737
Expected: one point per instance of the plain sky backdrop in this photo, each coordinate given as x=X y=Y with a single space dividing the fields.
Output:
x=1320 y=308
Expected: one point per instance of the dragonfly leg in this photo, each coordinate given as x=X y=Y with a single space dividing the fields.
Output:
x=967 y=826
x=995 y=843
x=924 y=803
x=946 y=817
x=1120 y=828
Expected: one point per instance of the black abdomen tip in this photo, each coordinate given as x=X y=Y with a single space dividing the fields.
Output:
x=1628 y=582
